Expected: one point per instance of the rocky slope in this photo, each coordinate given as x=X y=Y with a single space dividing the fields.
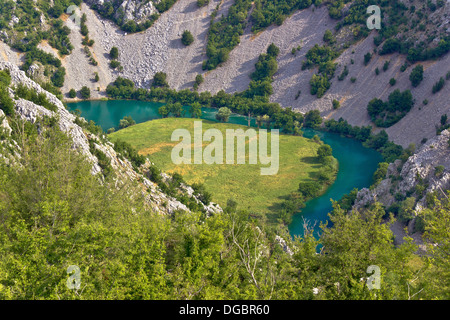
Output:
x=419 y=176
x=159 y=49
x=30 y=111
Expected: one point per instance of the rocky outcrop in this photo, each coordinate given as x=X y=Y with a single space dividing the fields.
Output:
x=129 y=10
x=421 y=169
x=428 y=170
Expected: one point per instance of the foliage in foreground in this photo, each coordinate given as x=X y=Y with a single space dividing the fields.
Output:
x=54 y=213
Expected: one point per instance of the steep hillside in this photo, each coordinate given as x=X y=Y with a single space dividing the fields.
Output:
x=107 y=160
x=159 y=49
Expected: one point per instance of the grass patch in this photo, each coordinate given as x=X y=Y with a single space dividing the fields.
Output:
x=243 y=183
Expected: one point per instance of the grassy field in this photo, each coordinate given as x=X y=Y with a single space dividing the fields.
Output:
x=241 y=182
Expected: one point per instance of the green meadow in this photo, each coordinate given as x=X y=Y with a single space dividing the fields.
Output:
x=243 y=183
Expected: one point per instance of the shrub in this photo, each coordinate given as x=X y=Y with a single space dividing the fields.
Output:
x=367 y=58
x=159 y=80
x=336 y=104
x=114 y=53
x=85 y=92
x=127 y=121
x=202 y=3
x=313 y=119
x=438 y=85
x=72 y=93
x=223 y=114
x=309 y=189
x=199 y=79
x=416 y=75
x=392 y=81
x=114 y=64
x=6 y=103
x=187 y=38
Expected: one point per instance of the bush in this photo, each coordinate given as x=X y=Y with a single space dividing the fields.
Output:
x=309 y=189
x=159 y=80
x=127 y=121
x=367 y=58
x=313 y=119
x=72 y=93
x=438 y=85
x=6 y=103
x=114 y=53
x=336 y=104
x=416 y=75
x=392 y=82
x=187 y=38
x=114 y=64
x=85 y=92
x=223 y=114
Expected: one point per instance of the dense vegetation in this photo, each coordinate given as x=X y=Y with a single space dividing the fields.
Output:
x=386 y=114
x=125 y=251
x=223 y=35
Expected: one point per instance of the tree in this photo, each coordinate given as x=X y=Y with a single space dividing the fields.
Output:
x=438 y=85
x=114 y=64
x=195 y=110
x=223 y=114
x=114 y=53
x=199 y=79
x=85 y=92
x=367 y=58
x=163 y=111
x=127 y=121
x=328 y=36
x=416 y=75
x=187 y=38
x=323 y=152
x=313 y=119
x=273 y=50
x=159 y=80
x=72 y=93
x=380 y=173
x=336 y=104
x=6 y=103
x=96 y=77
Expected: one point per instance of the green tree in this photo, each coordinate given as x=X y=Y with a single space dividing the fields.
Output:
x=223 y=114
x=114 y=53
x=160 y=80
x=85 y=92
x=195 y=110
x=323 y=152
x=127 y=121
x=313 y=119
x=72 y=93
x=416 y=75
x=187 y=38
